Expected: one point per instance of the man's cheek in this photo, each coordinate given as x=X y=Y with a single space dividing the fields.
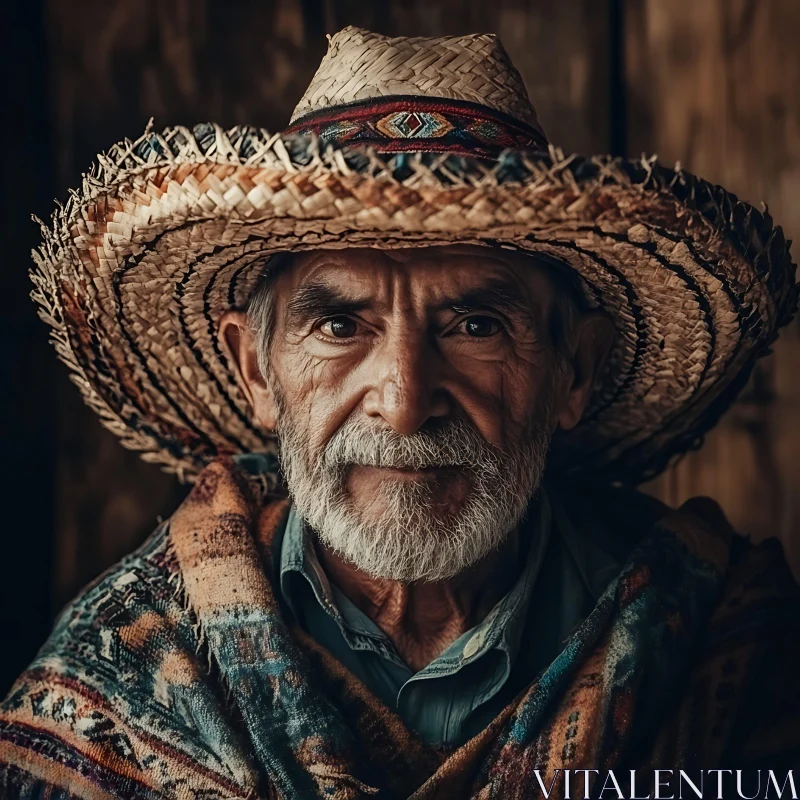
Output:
x=302 y=385
x=315 y=418
x=501 y=406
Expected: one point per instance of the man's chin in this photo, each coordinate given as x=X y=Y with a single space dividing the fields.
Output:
x=422 y=547
x=406 y=533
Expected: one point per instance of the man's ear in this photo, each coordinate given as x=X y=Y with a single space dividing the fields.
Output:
x=239 y=344
x=593 y=339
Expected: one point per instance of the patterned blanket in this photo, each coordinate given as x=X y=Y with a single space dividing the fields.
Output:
x=177 y=675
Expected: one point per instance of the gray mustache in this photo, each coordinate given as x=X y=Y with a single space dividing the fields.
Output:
x=457 y=444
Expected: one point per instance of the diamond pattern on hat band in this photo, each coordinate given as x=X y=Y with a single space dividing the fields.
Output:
x=398 y=124
x=414 y=125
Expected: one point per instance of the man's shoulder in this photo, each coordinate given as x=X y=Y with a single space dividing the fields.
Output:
x=755 y=569
x=110 y=640
x=118 y=683
x=747 y=659
x=109 y=628
x=626 y=514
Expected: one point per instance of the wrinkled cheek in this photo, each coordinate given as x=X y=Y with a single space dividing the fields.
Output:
x=307 y=390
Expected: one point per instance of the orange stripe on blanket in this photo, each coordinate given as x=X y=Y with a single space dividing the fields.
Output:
x=53 y=772
x=142 y=744
x=99 y=752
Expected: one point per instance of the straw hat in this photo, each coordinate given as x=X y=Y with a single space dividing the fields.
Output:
x=403 y=142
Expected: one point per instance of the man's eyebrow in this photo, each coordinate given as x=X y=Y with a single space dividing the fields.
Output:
x=497 y=295
x=319 y=300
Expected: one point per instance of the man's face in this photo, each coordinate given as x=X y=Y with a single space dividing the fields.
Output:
x=417 y=391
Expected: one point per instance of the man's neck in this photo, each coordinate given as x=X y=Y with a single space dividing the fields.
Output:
x=423 y=618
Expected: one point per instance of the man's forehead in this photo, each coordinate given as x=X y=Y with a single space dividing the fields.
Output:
x=360 y=269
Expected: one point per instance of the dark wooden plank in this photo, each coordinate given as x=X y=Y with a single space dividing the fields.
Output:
x=713 y=84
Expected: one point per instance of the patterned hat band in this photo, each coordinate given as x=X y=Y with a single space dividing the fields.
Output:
x=412 y=123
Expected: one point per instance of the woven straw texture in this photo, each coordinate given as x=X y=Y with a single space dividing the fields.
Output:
x=361 y=65
x=169 y=231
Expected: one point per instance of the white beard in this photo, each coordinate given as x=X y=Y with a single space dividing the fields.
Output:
x=409 y=540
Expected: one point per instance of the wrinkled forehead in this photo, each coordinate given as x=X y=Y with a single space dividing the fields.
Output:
x=426 y=270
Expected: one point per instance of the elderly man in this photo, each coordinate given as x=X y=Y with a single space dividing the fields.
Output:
x=468 y=350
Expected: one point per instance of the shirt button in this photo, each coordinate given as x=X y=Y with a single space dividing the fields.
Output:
x=473 y=645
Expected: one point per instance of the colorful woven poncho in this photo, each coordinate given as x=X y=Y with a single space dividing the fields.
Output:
x=176 y=675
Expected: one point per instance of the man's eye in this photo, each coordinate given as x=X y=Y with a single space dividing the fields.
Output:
x=339 y=327
x=481 y=326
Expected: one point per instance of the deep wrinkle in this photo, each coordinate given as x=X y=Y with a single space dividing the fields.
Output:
x=320 y=299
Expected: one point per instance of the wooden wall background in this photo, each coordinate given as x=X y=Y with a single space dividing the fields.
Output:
x=711 y=83
x=715 y=84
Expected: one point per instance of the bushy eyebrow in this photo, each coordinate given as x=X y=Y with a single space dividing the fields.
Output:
x=320 y=300
x=495 y=295
x=317 y=300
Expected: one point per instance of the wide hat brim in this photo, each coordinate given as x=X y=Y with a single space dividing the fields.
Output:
x=171 y=230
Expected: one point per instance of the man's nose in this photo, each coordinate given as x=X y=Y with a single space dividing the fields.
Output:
x=407 y=390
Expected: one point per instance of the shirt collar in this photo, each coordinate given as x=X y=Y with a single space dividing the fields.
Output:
x=298 y=556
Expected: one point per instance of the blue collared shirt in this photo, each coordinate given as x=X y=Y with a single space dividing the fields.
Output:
x=455 y=696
